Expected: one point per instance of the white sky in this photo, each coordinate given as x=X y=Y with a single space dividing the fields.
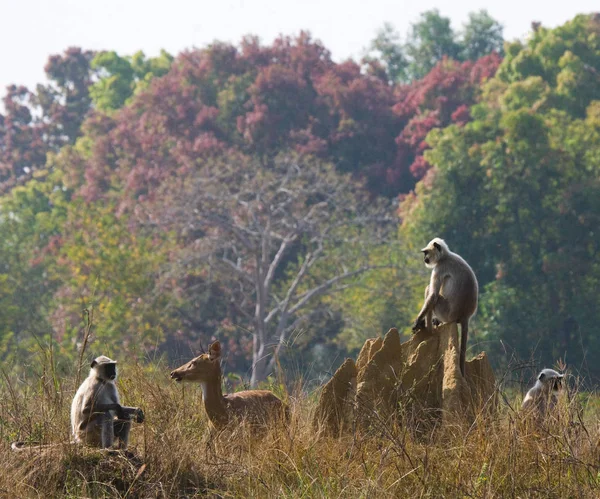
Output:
x=31 y=30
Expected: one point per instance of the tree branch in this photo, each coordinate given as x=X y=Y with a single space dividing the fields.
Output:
x=306 y=297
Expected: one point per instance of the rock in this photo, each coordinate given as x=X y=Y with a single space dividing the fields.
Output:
x=418 y=382
x=335 y=411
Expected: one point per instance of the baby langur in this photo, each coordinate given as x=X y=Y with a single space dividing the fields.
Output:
x=452 y=292
x=542 y=397
x=95 y=406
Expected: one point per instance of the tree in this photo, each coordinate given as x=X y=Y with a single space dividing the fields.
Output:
x=106 y=267
x=481 y=36
x=270 y=234
x=120 y=77
x=387 y=46
x=516 y=192
x=65 y=101
x=22 y=148
x=31 y=222
x=442 y=97
x=430 y=39
x=44 y=121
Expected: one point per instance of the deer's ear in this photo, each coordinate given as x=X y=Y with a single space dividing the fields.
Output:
x=214 y=350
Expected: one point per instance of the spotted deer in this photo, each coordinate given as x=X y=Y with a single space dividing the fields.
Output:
x=256 y=407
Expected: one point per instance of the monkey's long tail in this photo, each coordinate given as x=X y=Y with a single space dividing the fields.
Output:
x=23 y=446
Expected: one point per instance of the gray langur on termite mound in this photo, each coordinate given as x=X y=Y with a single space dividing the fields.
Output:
x=452 y=292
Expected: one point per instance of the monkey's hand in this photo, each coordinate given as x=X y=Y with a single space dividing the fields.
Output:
x=139 y=415
x=418 y=325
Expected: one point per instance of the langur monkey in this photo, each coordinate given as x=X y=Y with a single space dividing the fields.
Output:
x=94 y=408
x=543 y=395
x=452 y=292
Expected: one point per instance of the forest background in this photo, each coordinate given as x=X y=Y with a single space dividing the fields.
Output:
x=271 y=198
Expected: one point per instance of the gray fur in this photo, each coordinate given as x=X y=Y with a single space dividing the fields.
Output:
x=96 y=406
x=94 y=409
x=542 y=397
x=452 y=292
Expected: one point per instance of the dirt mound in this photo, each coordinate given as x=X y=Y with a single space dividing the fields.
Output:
x=419 y=380
x=335 y=412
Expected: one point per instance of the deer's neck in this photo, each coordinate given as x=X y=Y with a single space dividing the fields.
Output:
x=214 y=402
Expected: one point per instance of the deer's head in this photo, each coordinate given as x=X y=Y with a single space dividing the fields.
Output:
x=202 y=368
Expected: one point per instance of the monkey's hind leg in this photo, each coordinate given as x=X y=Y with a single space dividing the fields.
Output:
x=107 y=431
x=429 y=316
x=442 y=311
x=121 y=430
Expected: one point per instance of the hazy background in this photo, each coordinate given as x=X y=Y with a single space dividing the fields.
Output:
x=345 y=27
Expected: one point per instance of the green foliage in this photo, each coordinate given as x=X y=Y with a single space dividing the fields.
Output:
x=382 y=298
x=481 y=36
x=388 y=47
x=431 y=39
x=106 y=267
x=122 y=77
x=517 y=193
x=31 y=220
x=515 y=189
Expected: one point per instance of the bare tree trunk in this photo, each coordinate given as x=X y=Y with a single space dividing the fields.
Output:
x=251 y=227
x=259 y=354
x=259 y=367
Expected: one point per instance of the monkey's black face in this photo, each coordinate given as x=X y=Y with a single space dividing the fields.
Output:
x=110 y=371
x=426 y=256
x=431 y=257
x=551 y=379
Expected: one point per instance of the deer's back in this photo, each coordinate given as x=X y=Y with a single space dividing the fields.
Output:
x=256 y=406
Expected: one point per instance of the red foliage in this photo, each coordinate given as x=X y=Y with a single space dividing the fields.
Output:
x=36 y=123
x=441 y=98
x=22 y=147
x=258 y=99
x=265 y=99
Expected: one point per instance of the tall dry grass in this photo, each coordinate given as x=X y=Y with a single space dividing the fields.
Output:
x=176 y=454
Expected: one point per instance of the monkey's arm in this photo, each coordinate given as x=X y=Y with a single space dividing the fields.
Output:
x=123 y=412
x=434 y=292
x=109 y=407
x=130 y=412
x=113 y=403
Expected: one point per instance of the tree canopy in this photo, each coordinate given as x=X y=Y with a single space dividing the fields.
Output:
x=247 y=192
x=516 y=191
